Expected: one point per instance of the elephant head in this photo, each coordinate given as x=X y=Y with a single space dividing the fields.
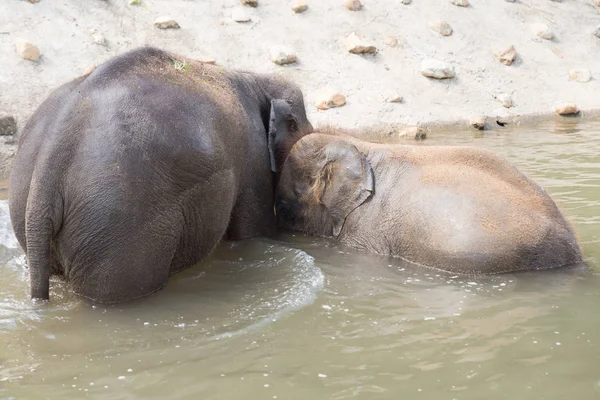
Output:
x=323 y=180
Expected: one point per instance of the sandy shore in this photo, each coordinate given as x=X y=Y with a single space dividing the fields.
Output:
x=536 y=81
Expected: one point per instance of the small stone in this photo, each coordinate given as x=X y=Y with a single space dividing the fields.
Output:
x=597 y=2
x=97 y=37
x=460 y=3
x=299 y=6
x=356 y=45
x=510 y=1
x=478 y=122
x=207 y=60
x=507 y=55
x=391 y=41
x=135 y=2
x=437 y=69
x=580 y=75
x=33 y=1
x=413 y=132
x=27 y=50
x=406 y=2
x=567 y=109
x=393 y=97
x=441 y=27
x=354 y=5
x=543 y=31
x=282 y=55
x=166 y=23
x=8 y=125
x=597 y=32
x=329 y=98
x=239 y=15
x=251 y=3
x=505 y=99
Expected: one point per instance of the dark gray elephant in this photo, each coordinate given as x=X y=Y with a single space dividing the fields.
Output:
x=137 y=170
x=458 y=209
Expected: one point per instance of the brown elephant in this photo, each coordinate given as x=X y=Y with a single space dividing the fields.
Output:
x=458 y=209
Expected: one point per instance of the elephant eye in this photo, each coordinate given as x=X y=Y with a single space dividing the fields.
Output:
x=292 y=125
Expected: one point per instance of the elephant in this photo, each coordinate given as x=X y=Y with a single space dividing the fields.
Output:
x=458 y=209
x=136 y=171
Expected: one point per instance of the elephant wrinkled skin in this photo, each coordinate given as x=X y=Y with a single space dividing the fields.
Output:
x=459 y=209
x=137 y=170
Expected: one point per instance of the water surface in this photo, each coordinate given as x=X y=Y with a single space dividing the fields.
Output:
x=298 y=317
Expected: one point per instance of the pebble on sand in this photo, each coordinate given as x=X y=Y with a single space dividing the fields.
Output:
x=27 y=50
x=329 y=98
x=391 y=41
x=580 y=75
x=33 y=1
x=437 y=69
x=441 y=27
x=8 y=125
x=507 y=55
x=543 y=31
x=460 y=3
x=97 y=37
x=251 y=3
x=510 y=1
x=413 y=132
x=567 y=109
x=406 y=2
x=597 y=32
x=299 y=6
x=166 y=23
x=354 y=5
x=207 y=60
x=356 y=45
x=477 y=122
x=392 y=97
x=505 y=99
x=239 y=15
x=282 y=55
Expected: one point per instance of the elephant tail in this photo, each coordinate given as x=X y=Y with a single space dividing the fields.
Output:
x=40 y=223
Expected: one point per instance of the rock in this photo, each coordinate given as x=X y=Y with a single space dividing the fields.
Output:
x=505 y=99
x=391 y=41
x=207 y=60
x=441 y=27
x=478 y=122
x=282 y=55
x=406 y=1
x=354 y=5
x=97 y=37
x=580 y=75
x=543 y=31
x=597 y=31
x=460 y=3
x=251 y=3
x=567 y=109
x=393 y=97
x=299 y=6
x=166 y=23
x=437 y=69
x=329 y=98
x=239 y=15
x=507 y=55
x=413 y=132
x=33 y=1
x=27 y=50
x=356 y=45
x=8 y=125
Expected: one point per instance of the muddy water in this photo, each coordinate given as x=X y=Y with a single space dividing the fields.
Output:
x=298 y=318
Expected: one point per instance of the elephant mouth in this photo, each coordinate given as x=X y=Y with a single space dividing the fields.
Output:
x=286 y=212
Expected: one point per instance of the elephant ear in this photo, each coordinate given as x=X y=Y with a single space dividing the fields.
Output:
x=345 y=181
x=281 y=124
